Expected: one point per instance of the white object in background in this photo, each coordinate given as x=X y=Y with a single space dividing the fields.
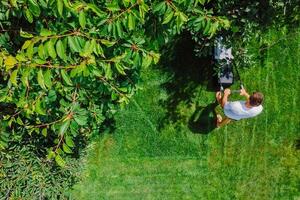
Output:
x=226 y=54
x=221 y=52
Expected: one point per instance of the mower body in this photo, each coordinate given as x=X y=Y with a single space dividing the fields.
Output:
x=223 y=59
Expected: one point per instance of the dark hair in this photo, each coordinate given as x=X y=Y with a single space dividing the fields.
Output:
x=256 y=99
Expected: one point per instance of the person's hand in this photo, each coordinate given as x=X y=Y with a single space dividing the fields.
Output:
x=227 y=92
x=243 y=92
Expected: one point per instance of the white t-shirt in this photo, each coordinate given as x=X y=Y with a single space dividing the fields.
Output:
x=237 y=110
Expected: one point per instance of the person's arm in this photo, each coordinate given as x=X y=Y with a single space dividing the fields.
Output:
x=244 y=93
x=225 y=97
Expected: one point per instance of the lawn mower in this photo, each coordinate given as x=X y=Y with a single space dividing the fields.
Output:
x=223 y=59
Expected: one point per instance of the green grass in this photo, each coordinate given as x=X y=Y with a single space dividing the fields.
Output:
x=152 y=156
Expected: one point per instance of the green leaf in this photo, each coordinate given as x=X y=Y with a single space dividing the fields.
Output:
x=226 y=23
x=155 y=57
x=52 y=96
x=64 y=127
x=3 y=144
x=43 y=4
x=207 y=27
x=136 y=60
x=82 y=19
x=39 y=61
x=13 y=3
x=118 y=58
x=168 y=16
x=30 y=50
x=51 y=154
x=77 y=70
x=119 y=28
x=98 y=50
x=234 y=29
x=143 y=8
x=50 y=48
x=9 y=62
x=88 y=48
x=38 y=107
x=60 y=7
x=108 y=43
x=25 y=76
x=28 y=16
x=131 y=22
x=25 y=34
x=81 y=119
x=41 y=51
x=123 y=89
x=40 y=79
x=74 y=44
x=202 y=2
x=96 y=10
x=21 y=57
x=126 y=3
x=61 y=50
x=183 y=17
x=9 y=123
x=107 y=70
x=109 y=27
x=67 y=4
x=147 y=61
x=179 y=22
x=45 y=32
x=60 y=161
x=26 y=44
x=120 y=68
x=67 y=149
x=113 y=7
x=13 y=78
x=44 y=132
x=47 y=78
x=34 y=8
x=160 y=7
x=19 y=121
x=113 y=96
x=69 y=141
x=66 y=78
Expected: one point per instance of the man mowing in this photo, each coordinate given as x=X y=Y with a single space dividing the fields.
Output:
x=236 y=110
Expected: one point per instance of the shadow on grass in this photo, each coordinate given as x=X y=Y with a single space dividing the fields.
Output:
x=203 y=120
x=297 y=144
x=188 y=77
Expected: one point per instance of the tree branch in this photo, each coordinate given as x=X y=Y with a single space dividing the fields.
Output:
x=110 y=20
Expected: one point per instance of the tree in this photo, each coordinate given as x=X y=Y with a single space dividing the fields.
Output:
x=67 y=66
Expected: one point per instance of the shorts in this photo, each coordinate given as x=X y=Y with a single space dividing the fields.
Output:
x=219 y=110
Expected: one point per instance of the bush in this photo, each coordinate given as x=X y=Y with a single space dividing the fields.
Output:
x=26 y=175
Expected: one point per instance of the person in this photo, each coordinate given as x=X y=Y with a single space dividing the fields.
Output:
x=237 y=110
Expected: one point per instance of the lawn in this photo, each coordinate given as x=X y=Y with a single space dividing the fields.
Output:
x=164 y=145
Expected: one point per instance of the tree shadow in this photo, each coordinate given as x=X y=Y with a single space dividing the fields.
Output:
x=297 y=144
x=188 y=76
x=203 y=120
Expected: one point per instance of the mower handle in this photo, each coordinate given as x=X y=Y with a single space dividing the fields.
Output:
x=235 y=91
x=232 y=91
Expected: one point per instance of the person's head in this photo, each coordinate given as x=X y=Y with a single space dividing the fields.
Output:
x=256 y=99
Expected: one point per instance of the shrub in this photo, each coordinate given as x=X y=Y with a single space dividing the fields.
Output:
x=25 y=175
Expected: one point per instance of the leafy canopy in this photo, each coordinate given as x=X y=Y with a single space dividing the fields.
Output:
x=66 y=66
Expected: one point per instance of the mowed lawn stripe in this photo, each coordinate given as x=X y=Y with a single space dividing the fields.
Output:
x=149 y=176
x=294 y=89
x=254 y=79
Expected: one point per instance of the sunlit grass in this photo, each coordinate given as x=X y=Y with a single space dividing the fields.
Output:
x=249 y=159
